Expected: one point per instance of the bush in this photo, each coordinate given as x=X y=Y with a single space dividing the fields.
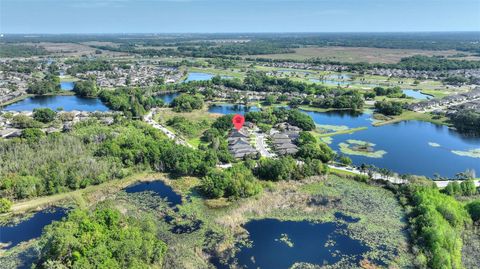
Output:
x=287 y=168
x=44 y=115
x=5 y=205
x=438 y=221
x=224 y=123
x=301 y=120
x=103 y=238
x=86 y=88
x=32 y=135
x=237 y=181
x=389 y=108
x=318 y=151
x=473 y=209
x=24 y=121
x=187 y=103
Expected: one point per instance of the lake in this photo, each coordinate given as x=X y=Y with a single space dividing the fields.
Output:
x=68 y=103
x=197 y=76
x=416 y=94
x=67 y=85
x=159 y=188
x=231 y=109
x=412 y=147
x=30 y=228
x=168 y=97
x=280 y=244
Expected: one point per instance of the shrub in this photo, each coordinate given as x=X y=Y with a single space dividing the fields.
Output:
x=473 y=209
x=103 y=238
x=5 y=205
x=44 y=115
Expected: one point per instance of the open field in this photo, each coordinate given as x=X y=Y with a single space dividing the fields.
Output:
x=356 y=54
x=71 y=49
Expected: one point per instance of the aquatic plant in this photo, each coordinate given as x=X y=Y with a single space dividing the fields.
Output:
x=473 y=153
x=433 y=144
x=361 y=148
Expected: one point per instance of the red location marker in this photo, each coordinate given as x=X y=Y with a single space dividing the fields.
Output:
x=238 y=121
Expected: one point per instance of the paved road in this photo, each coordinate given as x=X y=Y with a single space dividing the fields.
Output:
x=149 y=119
x=396 y=180
x=262 y=148
x=261 y=145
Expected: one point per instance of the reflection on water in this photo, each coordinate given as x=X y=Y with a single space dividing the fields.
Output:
x=66 y=103
x=159 y=188
x=407 y=144
x=231 y=109
x=280 y=244
x=30 y=228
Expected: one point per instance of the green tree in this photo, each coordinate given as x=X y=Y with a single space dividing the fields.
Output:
x=468 y=188
x=32 y=135
x=44 y=115
x=103 y=238
x=86 y=88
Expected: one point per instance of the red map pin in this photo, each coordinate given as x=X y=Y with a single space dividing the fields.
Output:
x=238 y=121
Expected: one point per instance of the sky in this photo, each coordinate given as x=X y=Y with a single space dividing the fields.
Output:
x=229 y=16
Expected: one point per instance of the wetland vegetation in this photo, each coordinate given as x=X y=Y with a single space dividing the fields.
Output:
x=123 y=194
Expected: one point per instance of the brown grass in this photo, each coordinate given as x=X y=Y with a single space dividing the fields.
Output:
x=356 y=54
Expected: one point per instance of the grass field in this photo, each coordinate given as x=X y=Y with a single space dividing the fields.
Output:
x=355 y=54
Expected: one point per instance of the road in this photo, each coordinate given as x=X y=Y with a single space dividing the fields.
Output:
x=261 y=145
x=149 y=119
x=396 y=180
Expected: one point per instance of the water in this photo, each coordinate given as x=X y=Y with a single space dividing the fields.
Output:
x=231 y=109
x=67 y=103
x=331 y=82
x=417 y=94
x=30 y=228
x=67 y=85
x=168 y=97
x=196 y=76
x=341 y=216
x=345 y=118
x=407 y=145
x=339 y=76
x=159 y=188
x=308 y=244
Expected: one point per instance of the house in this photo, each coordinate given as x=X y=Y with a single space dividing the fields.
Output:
x=238 y=144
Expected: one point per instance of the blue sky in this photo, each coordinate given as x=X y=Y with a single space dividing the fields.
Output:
x=213 y=16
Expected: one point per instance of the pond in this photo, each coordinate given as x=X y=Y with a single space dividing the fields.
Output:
x=416 y=94
x=339 y=76
x=168 y=97
x=67 y=85
x=280 y=244
x=30 y=228
x=197 y=76
x=231 y=109
x=159 y=188
x=67 y=103
x=331 y=82
x=408 y=145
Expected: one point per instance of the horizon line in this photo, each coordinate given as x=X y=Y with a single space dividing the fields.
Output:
x=299 y=32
